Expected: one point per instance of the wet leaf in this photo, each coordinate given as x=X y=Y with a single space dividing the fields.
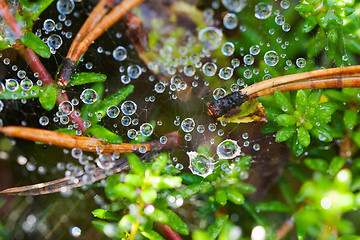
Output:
x=135 y=164
x=21 y=94
x=47 y=97
x=86 y=77
x=36 y=44
x=215 y=228
x=107 y=215
x=176 y=223
x=250 y=111
x=336 y=164
x=272 y=206
x=104 y=134
x=32 y=10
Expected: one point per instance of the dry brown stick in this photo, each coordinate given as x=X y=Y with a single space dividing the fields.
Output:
x=313 y=84
x=107 y=21
x=85 y=143
x=325 y=78
x=66 y=183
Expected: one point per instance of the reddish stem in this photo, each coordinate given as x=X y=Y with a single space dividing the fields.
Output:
x=166 y=231
x=10 y=20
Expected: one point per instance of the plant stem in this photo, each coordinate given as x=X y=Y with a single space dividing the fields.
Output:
x=87 y=143
x=285 y=228
x=325 y=78
x=166 y=231
x=10 y=20
x=99 y=28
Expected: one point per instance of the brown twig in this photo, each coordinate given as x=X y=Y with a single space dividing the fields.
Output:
x=80 y=48
x=166 y=231
x=86 y=143
x=285 y=228
x=324 y=78
x=120 y=165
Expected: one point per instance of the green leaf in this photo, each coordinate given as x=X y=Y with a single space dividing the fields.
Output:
x=32 y=10
x=199 y=234
x=126 y=222
x=316 y=164
x=134 y=180
x=122 y=190
x=159 y=216
x=176 y=223
x=301 y=98
x=152 y=235
x=165 y=182
x=309 y=24
x=245 y=188
x=214 y=229
x=314 y=97
x=249 y=111
x=67 y=131
x=235 y=196
x=336 y=164
x=104 y=134
x=285 y=120
x=135 y=164
x=86 y=77
x=272 y=206
x=350 y=119
x=36 y=44
x=190 y=178
x=88 y=109
x=148 y=195
x=159 y=163
x=325 y=109
x=295 y=146
x=113 y=100
x=258 y=218
x=349 y=237
x=20 y=93
x=303 y=136
x=4 y=44
x=221 y=197
x=190 y=190
x=107 y=215
x=283 y=102
x=321 y=133
x=47 y=97
x=285 y=133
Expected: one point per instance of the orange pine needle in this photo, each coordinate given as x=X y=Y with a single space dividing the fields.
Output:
x=70 y=141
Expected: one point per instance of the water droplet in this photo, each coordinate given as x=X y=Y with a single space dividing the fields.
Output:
x=26 y=84
x=128 y=107
x=226 y=73
x=235 y=62
x=279 y=19
x=163 y=140
x=113 y=111
x=271 y=58
x=263 y=10
x=105 y=161
x=209 y=69
x=219 y=93
x=49 y=25
x=54 y=41
x=65 y=108
x=134 y=71
x=247 y=74
x=234 y=5
x=189 y=70
x=120 y=53
x=211 y=37
x=230 y=21
x=76 y=153
x=228 y=149
x=200 y=164
x=245 y=135
x=187 y=125
x=200 y=128
x=286 y=27
x=256 y=147
x=159 y=87
x=44 y=121
x=65 y=6
x=212 y=127
x=254 y=50
x=248 y=59
x=188 y=137
x=146 y=129
x=300 y=62
x=11 y=84
x=89 y=96
x=284 y=4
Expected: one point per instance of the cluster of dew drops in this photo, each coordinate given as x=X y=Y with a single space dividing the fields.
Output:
x=54 y=31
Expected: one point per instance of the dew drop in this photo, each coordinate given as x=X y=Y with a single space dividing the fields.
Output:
x=119 y=53
x=128 y=107
x=230 y=21
x=65 y=108
x=248 y=59
x=11 y=84
x=271 y=58
x=26 y=84
x=209 y=69
x=187 y=125
x=219 y=93
x=301 y=62
x=44 y=121
x=254 y=50
x=54 y=41
x=65 y=6
x=263 y=10
x=134 y=71
x=146 y=129
x=113 y=111
x=228 y=149
x=49 y=25
x=234 y=5
x=226 y=73
x=211 y=37
x=200 y=164
x=89 y=96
